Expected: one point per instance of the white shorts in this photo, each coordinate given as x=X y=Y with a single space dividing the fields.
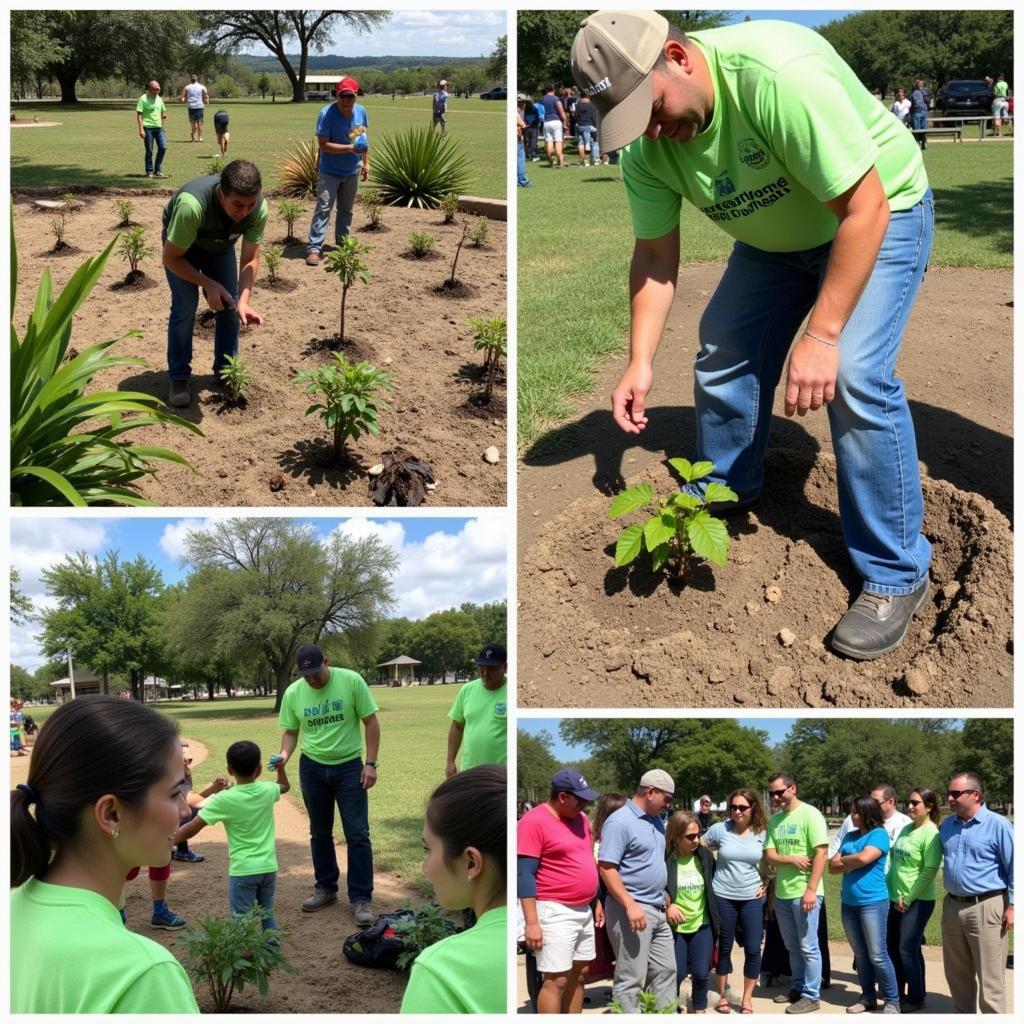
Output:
x=552 y=131
x=568 y=936
x=1000 y=108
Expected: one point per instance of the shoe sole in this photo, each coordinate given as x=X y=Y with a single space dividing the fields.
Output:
x=170 y=927
x=858 y=655
x=313 y=910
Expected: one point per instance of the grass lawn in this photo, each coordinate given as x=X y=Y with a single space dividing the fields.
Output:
x=414 y=730
x=575 y=242
x=97 y=142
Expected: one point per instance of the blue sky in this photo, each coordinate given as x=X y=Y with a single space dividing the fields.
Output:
x=812 y=19
x=443 y=561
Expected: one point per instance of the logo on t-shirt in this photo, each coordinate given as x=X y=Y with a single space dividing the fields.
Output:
x=752 y=153
x=499 y=710
x=724 y=185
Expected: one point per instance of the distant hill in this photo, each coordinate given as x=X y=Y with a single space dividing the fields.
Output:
x=334 y=62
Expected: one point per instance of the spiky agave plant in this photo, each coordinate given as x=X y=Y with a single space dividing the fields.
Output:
x=298 y=172
x=417 y=167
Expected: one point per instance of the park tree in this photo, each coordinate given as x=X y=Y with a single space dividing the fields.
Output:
x=263 y=85
x=629 y=746
x=33 y=48
x=497 y=63
x=24 y=685
x=491 y=619
x=535 y=766
x=985 y=747
x=272 y=584
x=446 y=641
x=21 y=606
x=716 y=756
x=312 y=30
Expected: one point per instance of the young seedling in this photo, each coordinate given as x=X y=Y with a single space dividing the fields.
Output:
x=374 y=206
x=450 y=206
x=134 y=249
x=647 y=1002
x=68 y=199
x=480 y=233
x=124 y=208
x=235 y=377
x=491 y=338
x=347 y=262
x=216 y=165
x=450 y=283
x=58 y=228
x=272 y=255
x=349 y=400
x=682 y=527
x=421 y=244
x=290 y=210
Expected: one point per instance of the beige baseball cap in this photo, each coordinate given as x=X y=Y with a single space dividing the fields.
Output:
x=612 y=57
x=658 y=779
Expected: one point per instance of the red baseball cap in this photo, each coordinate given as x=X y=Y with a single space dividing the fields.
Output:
x=347 y=85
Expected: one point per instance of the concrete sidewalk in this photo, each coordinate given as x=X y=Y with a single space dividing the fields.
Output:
x=841 y=993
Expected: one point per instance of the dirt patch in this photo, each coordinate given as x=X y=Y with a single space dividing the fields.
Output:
x=590 y=636
x=134 y=281
x=421 y=337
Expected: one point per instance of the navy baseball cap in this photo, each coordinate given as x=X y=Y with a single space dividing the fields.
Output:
x=568 y=780
x=492 y=654
x=309 y=658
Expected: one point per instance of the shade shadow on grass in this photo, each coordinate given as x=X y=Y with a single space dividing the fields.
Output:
x=983 y=209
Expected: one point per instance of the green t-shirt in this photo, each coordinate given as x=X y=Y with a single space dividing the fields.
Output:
x=1001 y=90
x=484 y=713
x=913 y=863
x=151 y=110
x=690 y=895
x=792 y=128
x=70 y=953
x=796 y=834
x=248 y=815
x=464 y=973
x=327 y=720
x=194 y=216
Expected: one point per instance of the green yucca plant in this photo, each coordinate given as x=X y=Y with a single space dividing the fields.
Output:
x=417 y=167
x=298 y=173
x=53 y=460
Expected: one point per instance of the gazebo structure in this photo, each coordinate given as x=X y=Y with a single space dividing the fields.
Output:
x=401 y=670
x=85 y=682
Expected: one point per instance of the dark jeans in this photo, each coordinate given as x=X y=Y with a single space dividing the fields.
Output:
x=750 y=916
x=693 y=957
x=905 y=935
x=323 y=786
x=157 y=137
x=530 y=140
x=183 y=845
x=223 y=268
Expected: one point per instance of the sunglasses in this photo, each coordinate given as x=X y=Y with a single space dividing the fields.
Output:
x=742 y=807
x=955 y=794
x=692 y=836
x=777 y=792
x=915 y=803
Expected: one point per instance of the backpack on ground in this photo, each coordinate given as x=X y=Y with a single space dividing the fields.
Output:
x=379 y=945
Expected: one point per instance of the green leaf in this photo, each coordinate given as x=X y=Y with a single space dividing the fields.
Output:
x=687 y=501
x=659 y=556
x=659 y=530
x=630 y=500
x=708 y=537
x=719 y=492
x=683 y=467
x=628 y=545
x=701 y=469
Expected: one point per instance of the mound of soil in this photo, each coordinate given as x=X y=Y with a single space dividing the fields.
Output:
x=753 y=633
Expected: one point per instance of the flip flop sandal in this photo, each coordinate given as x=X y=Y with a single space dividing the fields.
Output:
x=723 y=1006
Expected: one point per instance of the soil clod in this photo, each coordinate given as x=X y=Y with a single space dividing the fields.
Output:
x=403 y=480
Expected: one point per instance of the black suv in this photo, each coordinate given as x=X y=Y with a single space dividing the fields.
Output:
x=499 y=92
x=965 y=96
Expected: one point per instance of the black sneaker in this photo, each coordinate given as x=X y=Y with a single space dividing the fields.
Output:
x=877 y=623
x=804 y=1005
x=787 y=997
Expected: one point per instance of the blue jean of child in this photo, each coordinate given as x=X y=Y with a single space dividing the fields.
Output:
x=331 y=188
x=521 y=179
x=154 y=137
x=693 y=956
x=244 y=890
x=323 y=786
x=749 y=914
x=865 y=930
x=587 y=138
x=913 y=922
x=799 y=931
x=223 y=268
x=745 y=336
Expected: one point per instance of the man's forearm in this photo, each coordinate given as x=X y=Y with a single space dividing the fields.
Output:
x=372 y=729
x=288 y=741
x=817 y=867
x=652 y=287
x=613 y=883
x=247 y=278
x=529 y=905
x=180 y=267
x=454 y=741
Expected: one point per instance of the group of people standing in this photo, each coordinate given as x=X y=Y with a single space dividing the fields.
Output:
x=667 y=893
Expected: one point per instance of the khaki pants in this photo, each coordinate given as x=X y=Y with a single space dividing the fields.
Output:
x=974 y=948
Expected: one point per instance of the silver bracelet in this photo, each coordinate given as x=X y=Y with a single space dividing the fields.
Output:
x=831 y=344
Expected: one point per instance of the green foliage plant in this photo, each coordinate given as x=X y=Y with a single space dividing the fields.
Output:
x=373 y=206
x=216 y=165
x=421 y=244
x=272 y=255
x=480 y=232
x=68 y=447
x=348 y=398
x=236 y=377
x=299 y=171
x=134 y=248
x=417 y=167
x=124 y=208
x=346 y=261
x=491 y=338
x=290 y=210
x=58 y=228
x=229 y=953
x=681 y=527
x=427 y=926
x=647 y=1002
x=450 y=206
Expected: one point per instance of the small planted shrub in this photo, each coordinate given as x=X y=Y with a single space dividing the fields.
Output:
x=58 y=228
x=133 y=249
x=681 y=527
x=236 y=377
x=272 y=256
x=421 y=244
x=124 y=208
x=374 y=207
x=348 y=399
x=289 y=210
x=216 y=165
x=298 y=172
x=425 y=926
x=647 y=1002
x=452 y=282
x=491 y=338
x=450 y=206
x=480 y=232
x=229 y=953
x=417 y=167
x=346 y=261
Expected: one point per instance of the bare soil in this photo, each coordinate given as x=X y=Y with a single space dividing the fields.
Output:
x=399 y=321
x=591 y=635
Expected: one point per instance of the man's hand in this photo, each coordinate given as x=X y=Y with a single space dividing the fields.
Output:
x=811 y=382
x=630 y=397
x=218 y=297
x=1008 y=919
x=837 y=862
x=598 y=914
x=247 y=315
x=142 y=133
x=449 y=769
x=809 y=901
x=636 y=916
x=534 y=937
x=901 y=906
x=800 y=862
x=675 y=914
x=219 y=783
x=364 y=173
x=368 y=777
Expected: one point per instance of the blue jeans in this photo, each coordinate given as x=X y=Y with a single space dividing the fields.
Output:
x=244 y=890
x=800 y=935
x=157 y=137
x=521 y=179
x=323 y=786
x=586 y=136
x=693 y=956
x=912 y=923
x=745 y=336
x=223 y=268
x=331 y=188
x=865 y=930
x=750 y=915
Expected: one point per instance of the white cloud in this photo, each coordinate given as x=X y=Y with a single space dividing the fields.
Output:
x=172 y=540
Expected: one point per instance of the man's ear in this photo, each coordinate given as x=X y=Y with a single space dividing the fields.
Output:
x=675 y=53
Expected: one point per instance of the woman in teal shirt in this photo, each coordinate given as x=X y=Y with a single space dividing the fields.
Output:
x=464 y=839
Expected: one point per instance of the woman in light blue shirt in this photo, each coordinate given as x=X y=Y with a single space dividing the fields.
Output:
x=739 y=890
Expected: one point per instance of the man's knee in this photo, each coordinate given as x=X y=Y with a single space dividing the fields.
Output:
x=557 y=981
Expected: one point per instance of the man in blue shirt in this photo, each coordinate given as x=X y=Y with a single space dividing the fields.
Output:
x=344 y=160
x=631 y=862
x=977 y=913
x=919 y=99
x=440 y=105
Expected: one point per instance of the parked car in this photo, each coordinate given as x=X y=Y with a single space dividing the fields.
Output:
x=964 y=96
x=499 y=92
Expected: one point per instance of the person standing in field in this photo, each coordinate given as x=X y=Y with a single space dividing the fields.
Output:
x=901 y=106
x=479 y=716
x=150 y=114
x=220 y=127
x=556 y=126
x=440 y=106
x=196 y=96
x=1000 y=103
x=919 y=99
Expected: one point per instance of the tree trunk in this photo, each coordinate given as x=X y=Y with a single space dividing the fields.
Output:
x=106 y=681
x=68 y=78
x=283 y=677
x=211 y=689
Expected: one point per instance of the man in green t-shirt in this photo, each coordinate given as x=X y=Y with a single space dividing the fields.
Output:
x=150 y=114
x=1000 y=104
x=480 y=715
x=767 y=131
x=201 y=223
x=797 y=847
x=324 y=709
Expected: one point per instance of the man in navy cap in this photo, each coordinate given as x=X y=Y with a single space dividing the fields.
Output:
x=480 y=715
x=324 y=708
x=558 y=890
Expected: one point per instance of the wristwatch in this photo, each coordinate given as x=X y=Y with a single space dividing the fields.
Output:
x=371 y=764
